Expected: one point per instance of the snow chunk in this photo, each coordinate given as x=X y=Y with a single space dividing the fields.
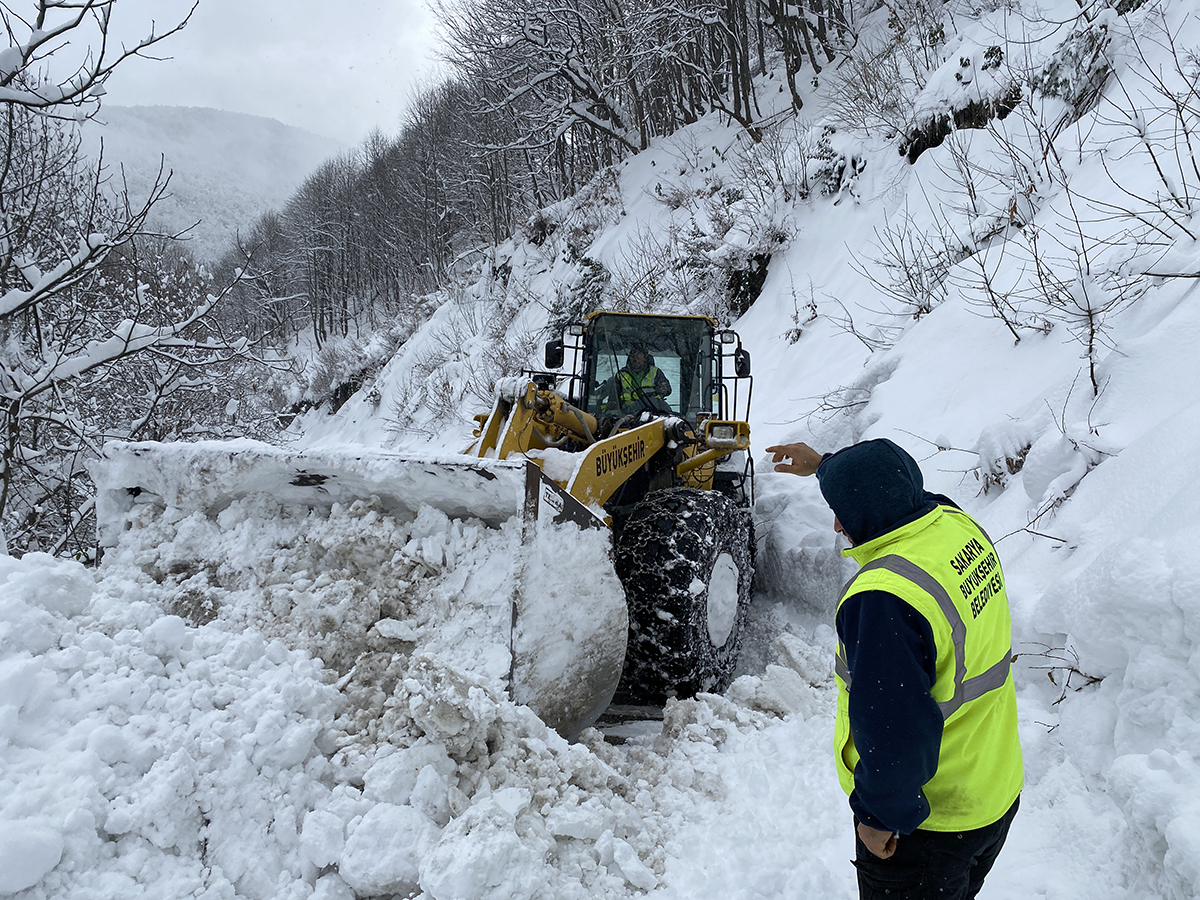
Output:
x=28 y=851
x=513 y=801
x=448 y=706
x=166 y=637
x=799 y=680
x=322 y=839
x=811 y=663
x=41 y=580
x=582 y=823
x=383 y=852
x=19 y=677
x=626 y=861
x=779 y=691
x=619 y=857
x=108 y=742
x=392 y=778
x=396 y=630
x=558 y=465
x=481 y=856
x=291 y=747
x=332 y=887
x=431 y=795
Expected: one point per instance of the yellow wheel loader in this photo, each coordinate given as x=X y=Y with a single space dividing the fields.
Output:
x=641 y=442
x=643 y=434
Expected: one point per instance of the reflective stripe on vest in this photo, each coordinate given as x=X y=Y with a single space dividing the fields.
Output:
x=964 y=690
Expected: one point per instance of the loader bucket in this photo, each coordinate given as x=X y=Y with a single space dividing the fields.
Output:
x=208 y=475
x=566 y=629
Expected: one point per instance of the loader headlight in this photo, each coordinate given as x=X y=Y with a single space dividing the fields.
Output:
x=722 y=434
x=727 y=435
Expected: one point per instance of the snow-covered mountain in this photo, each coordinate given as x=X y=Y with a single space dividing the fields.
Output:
x=1016 y=307
x=226 y=168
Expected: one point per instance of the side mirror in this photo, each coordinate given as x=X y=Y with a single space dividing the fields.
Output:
x=554 y=354
x=741 y=363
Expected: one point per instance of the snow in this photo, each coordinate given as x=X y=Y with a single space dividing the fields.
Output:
x=383 y=852
x=722 y=599
x=258 y=695
x=148 y=754
x=29 y=850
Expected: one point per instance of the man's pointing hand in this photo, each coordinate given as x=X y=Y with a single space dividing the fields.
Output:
x=804 y=459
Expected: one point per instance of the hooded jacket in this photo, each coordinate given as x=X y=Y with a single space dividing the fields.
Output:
x=875 y=488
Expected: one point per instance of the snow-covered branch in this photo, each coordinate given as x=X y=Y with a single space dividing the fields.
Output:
x=24 y=78
x=98 y=315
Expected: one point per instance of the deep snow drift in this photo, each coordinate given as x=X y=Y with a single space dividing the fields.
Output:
x=166 y=729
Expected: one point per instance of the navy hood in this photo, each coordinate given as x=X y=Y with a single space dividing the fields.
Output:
x=873 y=487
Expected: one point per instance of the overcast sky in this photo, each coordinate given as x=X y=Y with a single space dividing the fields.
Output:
x=335 y=67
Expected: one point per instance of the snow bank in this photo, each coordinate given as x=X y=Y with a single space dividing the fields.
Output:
x=143 y=756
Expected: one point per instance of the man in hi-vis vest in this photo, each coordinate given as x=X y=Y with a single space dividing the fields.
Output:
x=926 y=735
x=637 y=384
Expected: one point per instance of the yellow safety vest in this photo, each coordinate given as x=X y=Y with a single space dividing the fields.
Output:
x=945 y=567
x=628 y=380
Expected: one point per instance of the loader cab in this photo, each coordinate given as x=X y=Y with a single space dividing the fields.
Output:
x=700 y=365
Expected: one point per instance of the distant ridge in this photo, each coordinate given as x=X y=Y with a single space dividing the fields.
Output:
x=228 y=168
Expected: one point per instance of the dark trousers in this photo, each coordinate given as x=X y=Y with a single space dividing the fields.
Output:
x=932 y=865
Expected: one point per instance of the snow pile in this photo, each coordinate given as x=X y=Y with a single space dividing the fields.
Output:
x=276 y=700
x=350 y=585
x=149 y=753
x=376 y=572
x=145 y=757
x=1129 y=599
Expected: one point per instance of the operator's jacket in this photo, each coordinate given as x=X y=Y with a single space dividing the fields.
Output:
x=630 y=386
x=926 y=731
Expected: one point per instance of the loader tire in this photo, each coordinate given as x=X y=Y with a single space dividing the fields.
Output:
x=685 y=559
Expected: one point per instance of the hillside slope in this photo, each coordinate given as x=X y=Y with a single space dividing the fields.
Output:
x=226 y=168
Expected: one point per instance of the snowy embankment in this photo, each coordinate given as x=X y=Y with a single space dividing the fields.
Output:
x=184 y=722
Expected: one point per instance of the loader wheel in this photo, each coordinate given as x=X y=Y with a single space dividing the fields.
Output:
x=685 y=560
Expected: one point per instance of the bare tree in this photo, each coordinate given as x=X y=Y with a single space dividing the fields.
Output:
x=559 y=61
x=77 y=303
x=801 y=29
x=40 y=71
